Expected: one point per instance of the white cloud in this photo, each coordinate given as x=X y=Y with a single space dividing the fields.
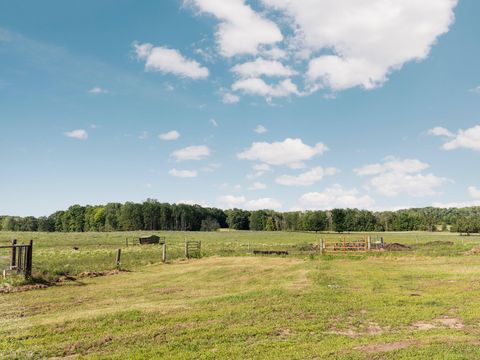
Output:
x=169 y=61
x=78 y=134
x=394 y=184
x=307 y=178
x=260 y=129
x=183 y=173
x=394 y=165
x=98 y=90
x=335 y=197
x=228 y=98
x=474 y=192
x=213 y=122
x=475 y=90
x=290 y=152
x=257 y=86
x=259 y=170
x=192 y=153
x=169 y=136
x=456 y=204
x=257 y=186
x=466 y=139
x=241 y=30
x=262 y=67
x=231 y=201
x=263 y=203
x=440 y=131
x=367 y=40
x=395 y=176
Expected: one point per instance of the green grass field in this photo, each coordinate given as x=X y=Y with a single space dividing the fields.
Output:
x=423 y=303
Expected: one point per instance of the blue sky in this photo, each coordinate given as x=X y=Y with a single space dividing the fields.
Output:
x=254 y=104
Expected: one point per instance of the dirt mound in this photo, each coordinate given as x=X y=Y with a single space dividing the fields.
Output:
x=15 y=289
x=94 y=274
x=474 y=251
x=396 y=247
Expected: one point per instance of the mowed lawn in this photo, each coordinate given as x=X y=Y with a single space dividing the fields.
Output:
x=388 y=307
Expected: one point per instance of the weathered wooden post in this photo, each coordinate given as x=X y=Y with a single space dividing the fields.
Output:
x=199 y=249
x=322 y=246
x=13 y=260
x=126 y=241
x=28 y=261
x=117 y=260
x=382 y=242
x=369 y=243
x=164 y=252
x=186 y=249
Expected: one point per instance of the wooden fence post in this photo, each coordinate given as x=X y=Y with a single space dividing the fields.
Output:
x=164 y=252
x=28 y=261
x=186 y=249
x=13 y=259
x=321 y=246
x=369 y=243
x=117 y=260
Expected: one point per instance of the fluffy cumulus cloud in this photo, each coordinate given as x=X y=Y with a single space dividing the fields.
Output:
x=79 y=134
x=367 y=39
x=257 y=86
x=169 y=61
x=463 y=139
x=183 y=173
x=169 y=136
x=440 y=131
x=307 y=178
x=229 y=98
x=199 y=152
x=241 y=30
x=290 y=152
x=328 y=45
x=232 y=201
x=394 y=177
x=262 y=67
x=335 y=197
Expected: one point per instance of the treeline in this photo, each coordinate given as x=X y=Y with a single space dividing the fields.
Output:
x=152 y=215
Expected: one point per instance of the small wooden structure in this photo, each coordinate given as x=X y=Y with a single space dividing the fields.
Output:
x=151 y=240
x=21 y=258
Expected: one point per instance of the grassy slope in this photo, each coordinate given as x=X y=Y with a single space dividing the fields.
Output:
x=246 y=307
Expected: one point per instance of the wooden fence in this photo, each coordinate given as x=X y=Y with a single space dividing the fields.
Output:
x=193 y=249
x=20 y=258
x=345 y=246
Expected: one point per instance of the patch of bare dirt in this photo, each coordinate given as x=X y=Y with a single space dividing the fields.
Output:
x=474 y=251
x=166 y=291
x=369 y=329
x=448 y=322
x=377 y=348
x=23 y=288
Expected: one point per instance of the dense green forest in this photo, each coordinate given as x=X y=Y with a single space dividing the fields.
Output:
x=153 y=215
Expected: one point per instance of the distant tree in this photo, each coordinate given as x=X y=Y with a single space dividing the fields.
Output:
x=238 y=219
x=258 y=220
x=210 y=224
